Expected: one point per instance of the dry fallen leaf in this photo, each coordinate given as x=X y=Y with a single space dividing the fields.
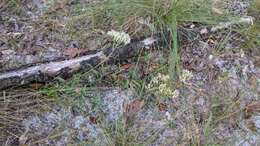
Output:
x=72 y=52
x=251 y=125
x=36 y=85
x=146 y=70
x=162 y=107
x=93 y=120
x=126 y=66
x=253 y=108
x=131 y=108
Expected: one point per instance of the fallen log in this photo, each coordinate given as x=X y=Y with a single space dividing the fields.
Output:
x=47 y=71
x=11 y=60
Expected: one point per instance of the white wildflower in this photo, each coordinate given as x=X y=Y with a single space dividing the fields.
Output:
x=159 y=76
x=162 y=87
x=175 y=93
x=204 y=31
x=242 y=53
x=154 y=80
x=165 y=78
x=245 y=70
x=149 y=86
x=168 y=115
x=192 y=26
x=186 y=75
x=210 y=57
x=165 y=90
x=161 y=84
x=119 y=37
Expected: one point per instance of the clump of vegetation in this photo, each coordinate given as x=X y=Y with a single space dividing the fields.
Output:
x=162 y=87
x=13 y=6
x=252 y=33
x=164 y=15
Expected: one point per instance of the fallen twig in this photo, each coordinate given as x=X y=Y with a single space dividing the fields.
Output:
x=243 y=20
x=46 y=72
x=223 y=25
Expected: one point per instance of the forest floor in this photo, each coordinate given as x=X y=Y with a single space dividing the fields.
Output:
x=214 y=101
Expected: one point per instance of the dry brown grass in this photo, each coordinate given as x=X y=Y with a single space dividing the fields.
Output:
x=15 y=105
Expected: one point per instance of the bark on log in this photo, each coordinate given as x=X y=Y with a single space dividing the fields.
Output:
x=247 y=20
x=10 y=60
x=243 y=20
x=46 y=72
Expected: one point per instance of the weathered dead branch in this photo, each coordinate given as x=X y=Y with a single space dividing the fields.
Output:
x=48 y=71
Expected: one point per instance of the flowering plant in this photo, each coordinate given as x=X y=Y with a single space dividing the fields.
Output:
x=162 y=87
x=119 y=37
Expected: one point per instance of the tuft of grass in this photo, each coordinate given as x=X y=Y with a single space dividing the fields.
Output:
x=164 y=14
x=16 y=105
x=73 y=92
x=10 y=5
x=121 y=134
x=252 y=33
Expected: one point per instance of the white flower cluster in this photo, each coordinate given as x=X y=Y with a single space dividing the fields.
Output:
x=162 y=86
x=165 y=90
x=175 y=93
x=186 y=76
x=157 y=79
x=119 y=37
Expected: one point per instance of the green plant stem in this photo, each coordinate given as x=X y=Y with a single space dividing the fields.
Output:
x=174 y=61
